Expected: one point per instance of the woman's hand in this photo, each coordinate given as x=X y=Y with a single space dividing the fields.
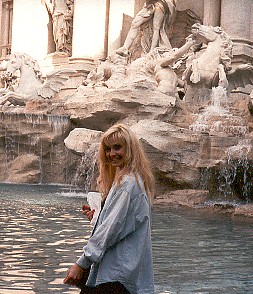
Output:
x=88 y=212
x=74 y=275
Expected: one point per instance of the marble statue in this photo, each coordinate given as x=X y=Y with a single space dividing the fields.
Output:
x=62 y=17
x=6 y=81
x=208 y=67
x=203 y=62
x=3 y=83
x=109 y=73
x=2 y=76
x=30 y=85
x=155 y=18
x=167 y=64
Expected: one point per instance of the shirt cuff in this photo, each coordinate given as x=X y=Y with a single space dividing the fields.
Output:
x=83 y=262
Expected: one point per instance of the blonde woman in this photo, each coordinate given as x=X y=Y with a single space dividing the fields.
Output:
x=119 y=250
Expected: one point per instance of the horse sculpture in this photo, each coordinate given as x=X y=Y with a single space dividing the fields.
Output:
x=210 y=66
x=29 y=83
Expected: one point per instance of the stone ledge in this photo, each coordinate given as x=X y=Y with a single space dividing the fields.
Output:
x=201 y=199
x=189 y=198
x=245 y=210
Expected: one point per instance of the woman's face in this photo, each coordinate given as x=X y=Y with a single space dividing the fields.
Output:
x=115 y=152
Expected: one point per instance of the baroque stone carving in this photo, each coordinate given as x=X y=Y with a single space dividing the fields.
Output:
x=145 y=93
x=154 y=19
x=25 y=74
x=62 y=16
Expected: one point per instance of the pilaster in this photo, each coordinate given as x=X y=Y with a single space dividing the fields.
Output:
x=1 y=17
x=212 y=11
x=236 y=20
x=97 y=26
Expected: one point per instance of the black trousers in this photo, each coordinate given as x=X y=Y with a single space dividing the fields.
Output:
x=107 y=288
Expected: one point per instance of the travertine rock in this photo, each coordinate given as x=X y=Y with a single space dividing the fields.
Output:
x=189 y=198
x=80 y=139
x=244 y=210
x=24 y=169
x=98 y=108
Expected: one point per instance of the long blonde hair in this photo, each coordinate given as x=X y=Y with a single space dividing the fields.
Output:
x=135 y=163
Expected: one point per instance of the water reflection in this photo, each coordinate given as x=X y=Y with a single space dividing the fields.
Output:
x=200 y=252
x=41 y=237
x=42 y=231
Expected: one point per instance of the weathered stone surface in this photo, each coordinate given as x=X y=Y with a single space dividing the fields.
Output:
x=179 y=156
x=172 y=151
x=202 y=140
x=98 y=108
x=80 y=139
x=24 y=169
x=244 y=210
x=32 y=149
x=195 y=143
x=201 y=199
x=184 y=159
x=189 y=198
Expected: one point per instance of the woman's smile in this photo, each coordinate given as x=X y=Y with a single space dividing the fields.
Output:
x=115 y=151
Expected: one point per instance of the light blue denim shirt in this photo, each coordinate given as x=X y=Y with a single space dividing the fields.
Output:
x=119 y=248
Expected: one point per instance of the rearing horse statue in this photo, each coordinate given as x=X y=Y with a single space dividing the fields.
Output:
x=30 y=84
x=207 y=54
x=209 y=66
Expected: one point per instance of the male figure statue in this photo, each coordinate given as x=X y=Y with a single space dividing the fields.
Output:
x=155 y=16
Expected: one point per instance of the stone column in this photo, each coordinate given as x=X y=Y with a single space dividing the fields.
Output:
x=235 y=18
x=251 y=23
x=90 y=22
x=5 y=27
x=97 y=26
x=212 y=11
x=1 y=17
x=236 y=21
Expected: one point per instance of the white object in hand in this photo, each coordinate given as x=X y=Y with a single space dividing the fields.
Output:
x=94 y=201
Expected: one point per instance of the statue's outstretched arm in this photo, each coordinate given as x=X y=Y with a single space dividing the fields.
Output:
x=178 y=53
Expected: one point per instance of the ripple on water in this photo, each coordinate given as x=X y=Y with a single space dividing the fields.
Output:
x=194 y=252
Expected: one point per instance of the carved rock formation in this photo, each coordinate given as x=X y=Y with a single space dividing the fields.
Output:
x=191 y=145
